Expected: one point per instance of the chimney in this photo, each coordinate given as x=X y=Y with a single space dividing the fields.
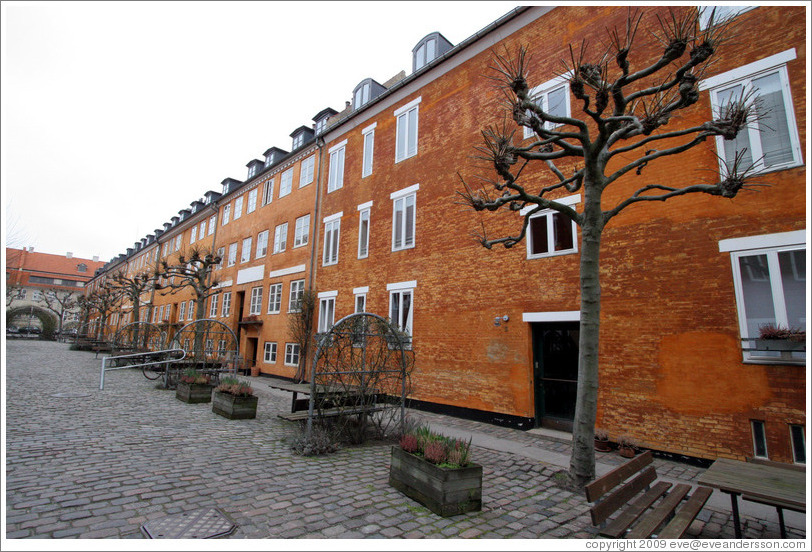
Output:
x=69 y=255
x=96 y=259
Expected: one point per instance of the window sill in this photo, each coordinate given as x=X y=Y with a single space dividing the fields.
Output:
x=555 y=254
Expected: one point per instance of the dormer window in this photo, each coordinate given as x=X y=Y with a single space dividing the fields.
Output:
x=321 y=119
x=361 y=95
x=81 y=267
x=428 y=49
x=269 y=159
x=298 y=140
x=252 y=170
x=320 y=124
x=366 y=91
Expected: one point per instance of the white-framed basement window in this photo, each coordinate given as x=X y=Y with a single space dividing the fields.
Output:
x=769 y=279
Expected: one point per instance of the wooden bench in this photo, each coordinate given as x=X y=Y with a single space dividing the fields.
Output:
x=642 y=503
x=329 y=412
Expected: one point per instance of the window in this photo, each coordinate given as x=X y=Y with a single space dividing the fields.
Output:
x=178 y=241
x=295 y=300
x=722 y=14
x=360 y=300
x=297 y=141
x=213 y=306
x=232 y=254
x=81 y=267
x=252 y=170
x=165 y=250
x=193 y=237
x=363 y=231
x=226 y=214
x=221 y=253
x=552 y=97
x=301 y=233
x=797 y=437
x=252 y=201
x=306 y=171
x=262 y=244
x=202 y=229
x=771 y=142
x=336 y=175
x=403 y=218
x=238 y=207
x=190 y=310
x=369 y=147
x=267 y=192
x=270 y=352
x=549 y=232
x=246 y=250
x=400 y=305
x=361 y=95
x=209 y=346
x=181 y=310
x=37 y=295
x=212 y=224
x=291 y=354
x=286 y=183
x=769 y=278
x=280 y=238
x=406 y=134
x=425 y=53
x=320 y=124
x=274 y=298
x=256 y=300
x=759 y=439
x=332 y=229
x=226 y=310
x=327 y=307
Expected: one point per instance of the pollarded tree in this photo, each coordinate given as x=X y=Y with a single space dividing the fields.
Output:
x=60 y=303
x=105 y=301
x=132 y=288
x=621 y=129
x=193 y=270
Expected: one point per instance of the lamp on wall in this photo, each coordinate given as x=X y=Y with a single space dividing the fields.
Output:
x=499 y=319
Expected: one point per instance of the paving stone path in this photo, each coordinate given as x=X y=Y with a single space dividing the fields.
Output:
x=90 y=463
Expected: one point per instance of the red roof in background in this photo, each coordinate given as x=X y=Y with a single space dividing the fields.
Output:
x=51 y=265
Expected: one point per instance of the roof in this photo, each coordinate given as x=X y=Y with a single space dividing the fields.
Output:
x=47 y=263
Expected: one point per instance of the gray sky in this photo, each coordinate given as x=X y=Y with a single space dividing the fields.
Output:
x=116 y=115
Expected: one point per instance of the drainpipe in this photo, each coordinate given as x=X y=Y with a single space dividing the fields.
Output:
x=316 y=210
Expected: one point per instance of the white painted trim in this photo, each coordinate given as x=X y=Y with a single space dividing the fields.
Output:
x=332 y=217
x=248 y=275
x=569 y=200
x=560 y=316
x=360 y=290
x=370 y=128
x=287 y=271
x=404 y=192
x=225 y=284
x=366 y=205
x=744 y=71
x=337 y=147
x=408 y=106
x=410 y=284
x=328 y=294
x=763 y=241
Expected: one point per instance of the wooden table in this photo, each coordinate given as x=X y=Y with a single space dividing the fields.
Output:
x=775 y=486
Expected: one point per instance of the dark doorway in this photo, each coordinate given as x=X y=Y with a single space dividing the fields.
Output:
x=555 y=373
x=252 y=345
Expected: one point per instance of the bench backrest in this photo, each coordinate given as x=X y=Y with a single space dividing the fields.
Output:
x=612 y=493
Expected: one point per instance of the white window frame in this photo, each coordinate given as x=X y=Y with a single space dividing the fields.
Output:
x=286 y=182
x=252 y=201
x=295 y=295
x=255 y=306
x=367 y=161
x=301 y=232
x=335 y=178
x=202 y=229
x=327 y=310
x=306 y=171
x=402 y=289
x=360 y=293
x=332 y=239
x=238 y=208
x=744 y=76
x=262 y=244
x=763 y=424
x=190 y=310
x=540 y=95
x=275 y=298
x=400 y=198
x=232 y=254
x=221 y=252
x=269 y=356
x=212 y=224
x=178 y=241
x=246 y=250
x=770 y=245
x=213 y=307
x=267 y=192
x=280 y=238
x=723 y=14
x=548 y=213
x=364 y=215
x=181 y=310
x=193 y=235
x=226 y=213
x=402 y=118
x=291 y=353
x=226 y=308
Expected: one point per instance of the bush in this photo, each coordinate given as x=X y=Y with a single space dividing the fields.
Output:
x=319 y=442
x=234 y=386
x=191 y=375
x=436 y=448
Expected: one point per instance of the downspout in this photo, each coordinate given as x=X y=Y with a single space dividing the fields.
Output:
x=316 y=210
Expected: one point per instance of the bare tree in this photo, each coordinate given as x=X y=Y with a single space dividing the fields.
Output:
x=300 y=327
x=190 y=271
x=60 y=302
x=132 y=288
x=623 y=112
x=13 y=293
x=105 y=300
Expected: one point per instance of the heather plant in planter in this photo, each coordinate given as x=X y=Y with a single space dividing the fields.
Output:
x=778 y=338
x=436 y=471
x=194 y=387
x=234 y=399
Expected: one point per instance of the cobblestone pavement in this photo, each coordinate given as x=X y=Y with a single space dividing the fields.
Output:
x=90 y=463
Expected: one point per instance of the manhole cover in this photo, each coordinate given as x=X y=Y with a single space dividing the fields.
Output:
x=199 y=524
x=70 y=395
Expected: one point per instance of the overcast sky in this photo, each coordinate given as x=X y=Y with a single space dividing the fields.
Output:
x=117 y=115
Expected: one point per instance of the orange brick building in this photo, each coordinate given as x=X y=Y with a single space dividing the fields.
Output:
x=495 y=331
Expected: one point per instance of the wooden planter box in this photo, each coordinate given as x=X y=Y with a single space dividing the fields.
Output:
x=444 y=491
x=194 y=393
x=234 y=407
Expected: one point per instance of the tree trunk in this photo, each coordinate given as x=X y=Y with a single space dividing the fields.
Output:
x=582 y=461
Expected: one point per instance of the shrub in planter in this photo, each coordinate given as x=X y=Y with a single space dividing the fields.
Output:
x=437 y=472
x=234 y=399
x=194 y=387
x=602 y=441
x=627 y=447
x=777 y=338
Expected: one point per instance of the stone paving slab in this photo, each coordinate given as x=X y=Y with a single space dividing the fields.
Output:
x=93 y=463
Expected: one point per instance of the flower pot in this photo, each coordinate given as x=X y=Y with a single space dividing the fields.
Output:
x=626 y=451
x=602 y=445
x=234 y=407
x=444 y=491
x=194 y=393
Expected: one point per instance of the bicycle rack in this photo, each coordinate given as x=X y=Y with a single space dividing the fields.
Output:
x=105 y=368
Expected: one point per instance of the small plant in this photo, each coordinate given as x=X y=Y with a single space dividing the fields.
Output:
x=601 y=434
x=191 y=375
x=319 y=442
x=409 y=443
x=436 y=448
x=626 y=442
x=435 y=452
x=771 y=331
x=234 y=386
